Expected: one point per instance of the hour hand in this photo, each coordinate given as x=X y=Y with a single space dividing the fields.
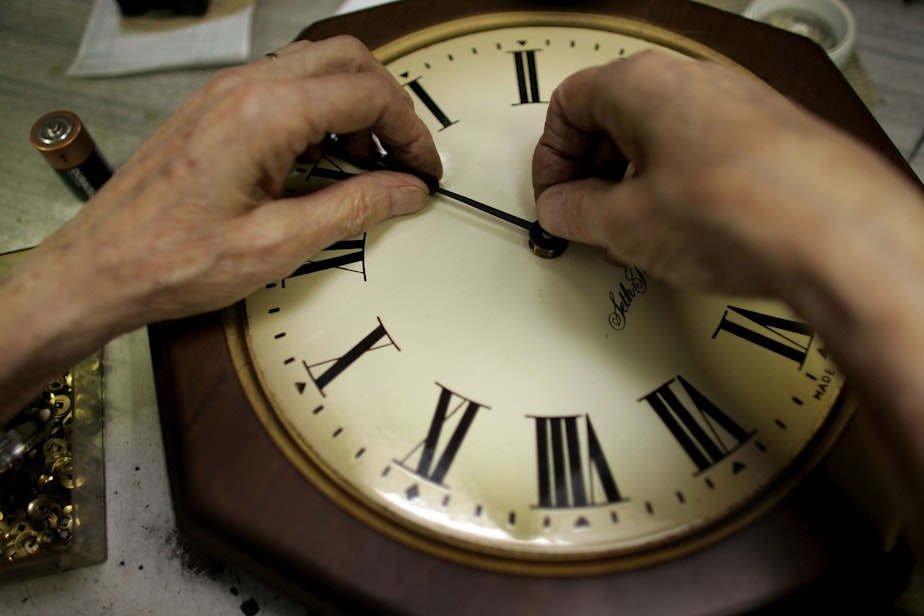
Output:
x=541 y=242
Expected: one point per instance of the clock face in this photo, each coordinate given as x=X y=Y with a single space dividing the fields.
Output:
x=455 y=390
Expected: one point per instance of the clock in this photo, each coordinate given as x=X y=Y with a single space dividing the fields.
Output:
x=430 y=417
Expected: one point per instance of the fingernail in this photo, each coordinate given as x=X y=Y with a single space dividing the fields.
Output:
x=407 y=200
x=550 y=207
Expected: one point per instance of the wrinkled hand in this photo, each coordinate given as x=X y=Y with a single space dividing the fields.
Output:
x=738 y=190
x=194 y=220
x=728 y=172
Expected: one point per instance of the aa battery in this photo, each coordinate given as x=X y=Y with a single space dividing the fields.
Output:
x=63 y=140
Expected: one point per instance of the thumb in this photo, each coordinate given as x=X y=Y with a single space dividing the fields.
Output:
x=308 y=223
x=354 y=205
x=593 y=211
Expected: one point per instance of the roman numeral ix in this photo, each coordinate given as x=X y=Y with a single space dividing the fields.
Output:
x=348 y=255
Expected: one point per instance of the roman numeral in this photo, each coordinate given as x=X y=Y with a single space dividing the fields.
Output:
x=424 y=97
x=568 y=471
x=524 y=61
x=708 y=436
x=378 y=338
x=452 y=418
x=789 y=339
x=348 y=255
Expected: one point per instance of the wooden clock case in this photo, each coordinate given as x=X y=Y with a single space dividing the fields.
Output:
x=237 y=496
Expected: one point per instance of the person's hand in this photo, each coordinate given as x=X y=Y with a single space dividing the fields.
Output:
x=739 y=190
x=194 y=220
x=729 y=174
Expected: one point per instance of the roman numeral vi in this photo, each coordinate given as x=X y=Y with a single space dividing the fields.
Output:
x=569 y=473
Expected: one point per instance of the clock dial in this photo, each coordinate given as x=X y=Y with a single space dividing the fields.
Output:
x=445 y=383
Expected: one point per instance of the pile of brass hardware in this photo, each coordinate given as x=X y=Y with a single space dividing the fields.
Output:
x=36 y=509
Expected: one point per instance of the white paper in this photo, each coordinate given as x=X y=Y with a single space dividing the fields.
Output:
x=351 y=6
x=113 y=45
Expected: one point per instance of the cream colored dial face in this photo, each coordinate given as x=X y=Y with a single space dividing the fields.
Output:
x=469 y=391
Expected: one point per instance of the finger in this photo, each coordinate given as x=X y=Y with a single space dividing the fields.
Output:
x=571 y=130
x=593 y=211
x=619 y=217
x=282 y=233
x=571 y=138
x=259 y=151
x=303 y=59
x=633 y=227
x=562 y=152
x=343 y=54
x=350 y=104
x=615 y=101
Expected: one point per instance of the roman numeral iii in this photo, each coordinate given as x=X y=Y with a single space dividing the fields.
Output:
x=348 y=255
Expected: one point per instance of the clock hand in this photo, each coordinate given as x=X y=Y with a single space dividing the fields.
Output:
x=384 y=159
x=542 y=243
x=487 y=209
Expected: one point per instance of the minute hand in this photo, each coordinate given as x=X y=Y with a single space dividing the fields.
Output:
x=487 y=209
x=542 y=243
x=433 y=186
